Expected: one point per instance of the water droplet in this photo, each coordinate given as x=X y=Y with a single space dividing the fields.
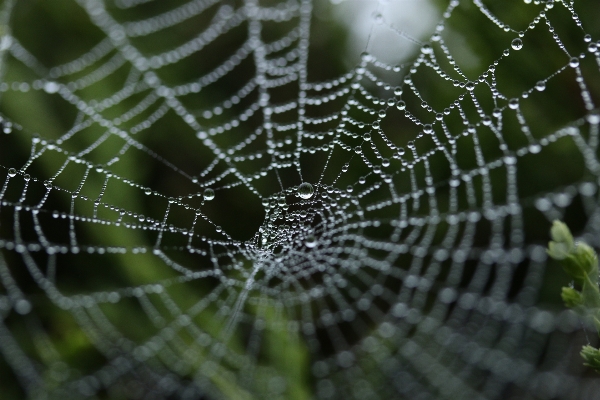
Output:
x=12 y=172
x=51 y=87
x=5 y=42
x=513 y=104
x=470 y=86
x=593 y=118
x=48 y=184
x=401 y=105
x=26 y=177
x=436 y=37
x=310 y=241
x=517 y=44
x=587 y=38
x=427 y=128
x=398 y=91
x=540 y=86
x=574 y=62
x=22 y=307
x=305 y=190
x=426 y=49
x=208 y=194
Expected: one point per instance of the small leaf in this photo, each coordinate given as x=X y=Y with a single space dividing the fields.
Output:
x=578 y=260
x=561 y=234
x=571 y=297
x=587 y=258
x=558 y=250
x=591 y=356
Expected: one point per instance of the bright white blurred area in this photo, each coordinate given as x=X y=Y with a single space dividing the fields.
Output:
x=391 y=30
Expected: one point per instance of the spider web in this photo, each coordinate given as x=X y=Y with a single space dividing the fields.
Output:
x=187 y=213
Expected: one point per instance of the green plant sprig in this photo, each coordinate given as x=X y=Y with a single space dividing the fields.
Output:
x=580 y=262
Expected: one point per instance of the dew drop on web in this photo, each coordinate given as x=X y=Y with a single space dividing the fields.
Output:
x=208 y=194
x=574 y=62
x=305 y=190
x=517 y=44
x=540 y=86
x=310 y=241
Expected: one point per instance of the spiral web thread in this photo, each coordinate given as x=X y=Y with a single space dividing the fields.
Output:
x=399 y=272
